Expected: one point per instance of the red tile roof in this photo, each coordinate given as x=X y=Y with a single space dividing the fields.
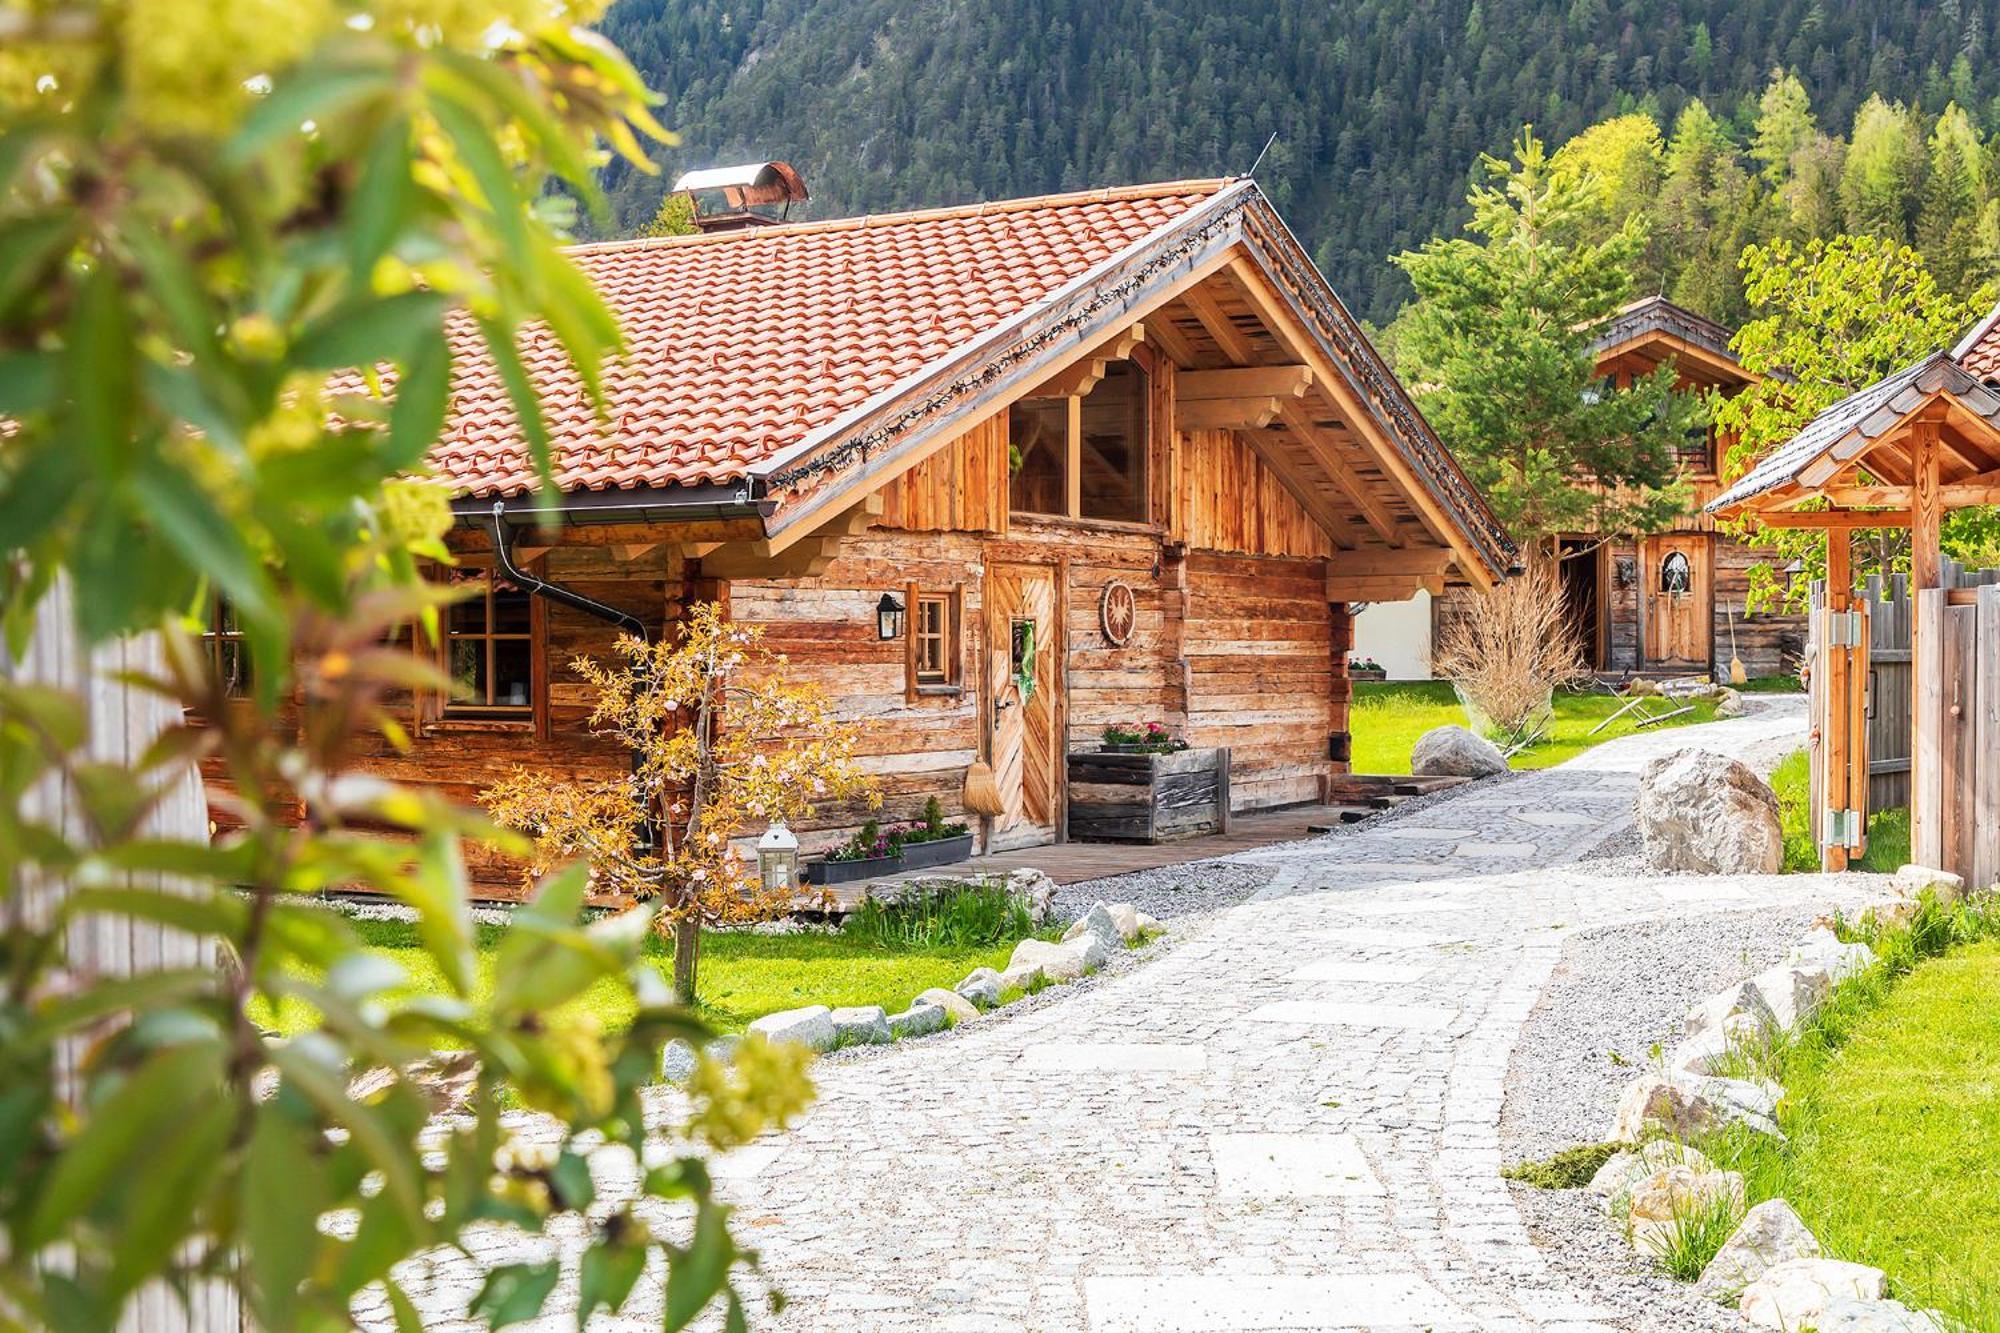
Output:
x=1982 y=356
x=740 y=343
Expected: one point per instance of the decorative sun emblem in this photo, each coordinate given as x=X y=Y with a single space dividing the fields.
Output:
x=1119 y=611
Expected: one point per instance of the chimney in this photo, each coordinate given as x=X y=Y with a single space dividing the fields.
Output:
x=732 y=198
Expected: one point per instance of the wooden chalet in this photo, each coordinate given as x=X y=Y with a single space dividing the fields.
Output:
x=1899 y=454
x=1666 y=603
x=1125 y=446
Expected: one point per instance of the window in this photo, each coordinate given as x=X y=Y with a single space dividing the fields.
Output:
x=1038 y=430
x=490 y=652
x=228 y=651
x=1676 y=575
x=1113 y=452
x=1084 y=458
x=933 y=633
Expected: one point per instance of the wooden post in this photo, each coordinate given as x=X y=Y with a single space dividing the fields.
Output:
x=1984 y=798
x=1833 y=686
x=1926 y=645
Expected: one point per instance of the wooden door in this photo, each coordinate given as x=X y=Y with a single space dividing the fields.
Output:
x=1677 y=577
x=1023 y=703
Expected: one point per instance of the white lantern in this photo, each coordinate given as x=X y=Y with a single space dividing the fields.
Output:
x=778 y=859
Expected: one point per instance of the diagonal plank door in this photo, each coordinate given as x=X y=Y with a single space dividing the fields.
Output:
x=1022 y=685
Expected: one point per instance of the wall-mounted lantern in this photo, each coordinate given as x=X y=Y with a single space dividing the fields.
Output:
x=889 y=617
x=778 y=859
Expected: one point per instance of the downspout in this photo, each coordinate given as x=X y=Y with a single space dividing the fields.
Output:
x=503 y=555
x=503 y=552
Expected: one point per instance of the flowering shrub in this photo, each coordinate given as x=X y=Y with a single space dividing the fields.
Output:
x=869 y=843
x=725 y=744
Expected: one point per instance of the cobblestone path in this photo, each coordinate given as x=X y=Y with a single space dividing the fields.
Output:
x=1289 y=1122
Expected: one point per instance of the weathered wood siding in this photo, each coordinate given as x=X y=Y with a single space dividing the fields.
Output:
x=1231 y=500
x=1770 y=643
x=1261 y=673
x=960 y=488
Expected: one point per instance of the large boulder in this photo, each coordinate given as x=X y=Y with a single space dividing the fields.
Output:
x=1841 y=961
x=1454 y=752
x=1685 y=1105
x=1795 y=1294
x=981 y=986
x=1126 y=919
x=1705 y=812
x=1099 y=924
x=811 y=1026
x=1770 y=1234
x=1793 y=991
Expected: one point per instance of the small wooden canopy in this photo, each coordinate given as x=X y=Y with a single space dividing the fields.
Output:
x=1649 y=332
x=1927 y=438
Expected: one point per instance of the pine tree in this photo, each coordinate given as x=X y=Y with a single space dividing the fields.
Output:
x=1784 y=126
x=1497 y=344
x=1883 y=171
x=1948 y=223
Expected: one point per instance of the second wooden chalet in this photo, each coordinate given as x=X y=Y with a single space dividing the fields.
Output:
x=1663 y=603
x=995 y=477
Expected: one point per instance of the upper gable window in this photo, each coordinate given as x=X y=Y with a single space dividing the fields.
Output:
x=1084 y=458
x=1113 y=454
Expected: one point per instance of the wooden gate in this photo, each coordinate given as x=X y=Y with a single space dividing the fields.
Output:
x=1889 y=692
x=1955 y=806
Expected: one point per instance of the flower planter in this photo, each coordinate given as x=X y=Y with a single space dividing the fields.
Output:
x=1367 y=673
x=937 y=852
x=1119 y=796
x=846 y=872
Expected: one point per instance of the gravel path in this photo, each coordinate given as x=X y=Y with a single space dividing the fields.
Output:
x=1292 y=1117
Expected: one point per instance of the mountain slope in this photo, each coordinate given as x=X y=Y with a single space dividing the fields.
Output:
x=1380 y=106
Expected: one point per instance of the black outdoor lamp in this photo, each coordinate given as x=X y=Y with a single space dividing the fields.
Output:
x=889 y=617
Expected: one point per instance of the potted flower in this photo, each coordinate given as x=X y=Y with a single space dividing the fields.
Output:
x=931 y=841
x=870 y=852
x=1136 y=738
x=1366 y=668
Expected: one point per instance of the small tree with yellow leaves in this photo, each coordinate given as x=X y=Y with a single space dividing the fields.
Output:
x=724 y=743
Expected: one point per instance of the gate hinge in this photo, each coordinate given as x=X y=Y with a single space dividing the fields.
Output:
x=1842 y=828
x=1843 y=629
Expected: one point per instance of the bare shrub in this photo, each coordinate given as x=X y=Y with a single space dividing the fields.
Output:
x=1508 y=650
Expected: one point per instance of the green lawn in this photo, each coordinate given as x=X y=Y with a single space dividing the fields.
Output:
x=1772 y=685
x=1388 y=718
x=742 y=976
x=1888 y=830
x=1893 y=1115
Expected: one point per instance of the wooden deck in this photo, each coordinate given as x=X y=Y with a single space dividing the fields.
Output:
x=1075 y=862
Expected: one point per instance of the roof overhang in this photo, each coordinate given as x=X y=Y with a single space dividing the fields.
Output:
x=1856 y=454
x=877 y=438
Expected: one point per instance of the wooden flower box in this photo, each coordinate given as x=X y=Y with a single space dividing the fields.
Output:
x=1367 y=673
x=1119 y=796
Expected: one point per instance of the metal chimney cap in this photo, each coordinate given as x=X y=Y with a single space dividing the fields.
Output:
x=751 y=183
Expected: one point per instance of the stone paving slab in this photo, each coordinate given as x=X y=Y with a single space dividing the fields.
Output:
x=1144 y=1156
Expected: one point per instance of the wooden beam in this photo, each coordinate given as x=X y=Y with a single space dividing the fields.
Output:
x=1926 y=507
x=1301 y=424
x=1837 y=520
x=1375 y=564
x=868 y=506
x=1388 y=588
x=1245 y=382
x=1162 y=331
x=1980 y=490
x=1220 y=327
x=1430 y=511
x=1083 y=375
x=1225 y=413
